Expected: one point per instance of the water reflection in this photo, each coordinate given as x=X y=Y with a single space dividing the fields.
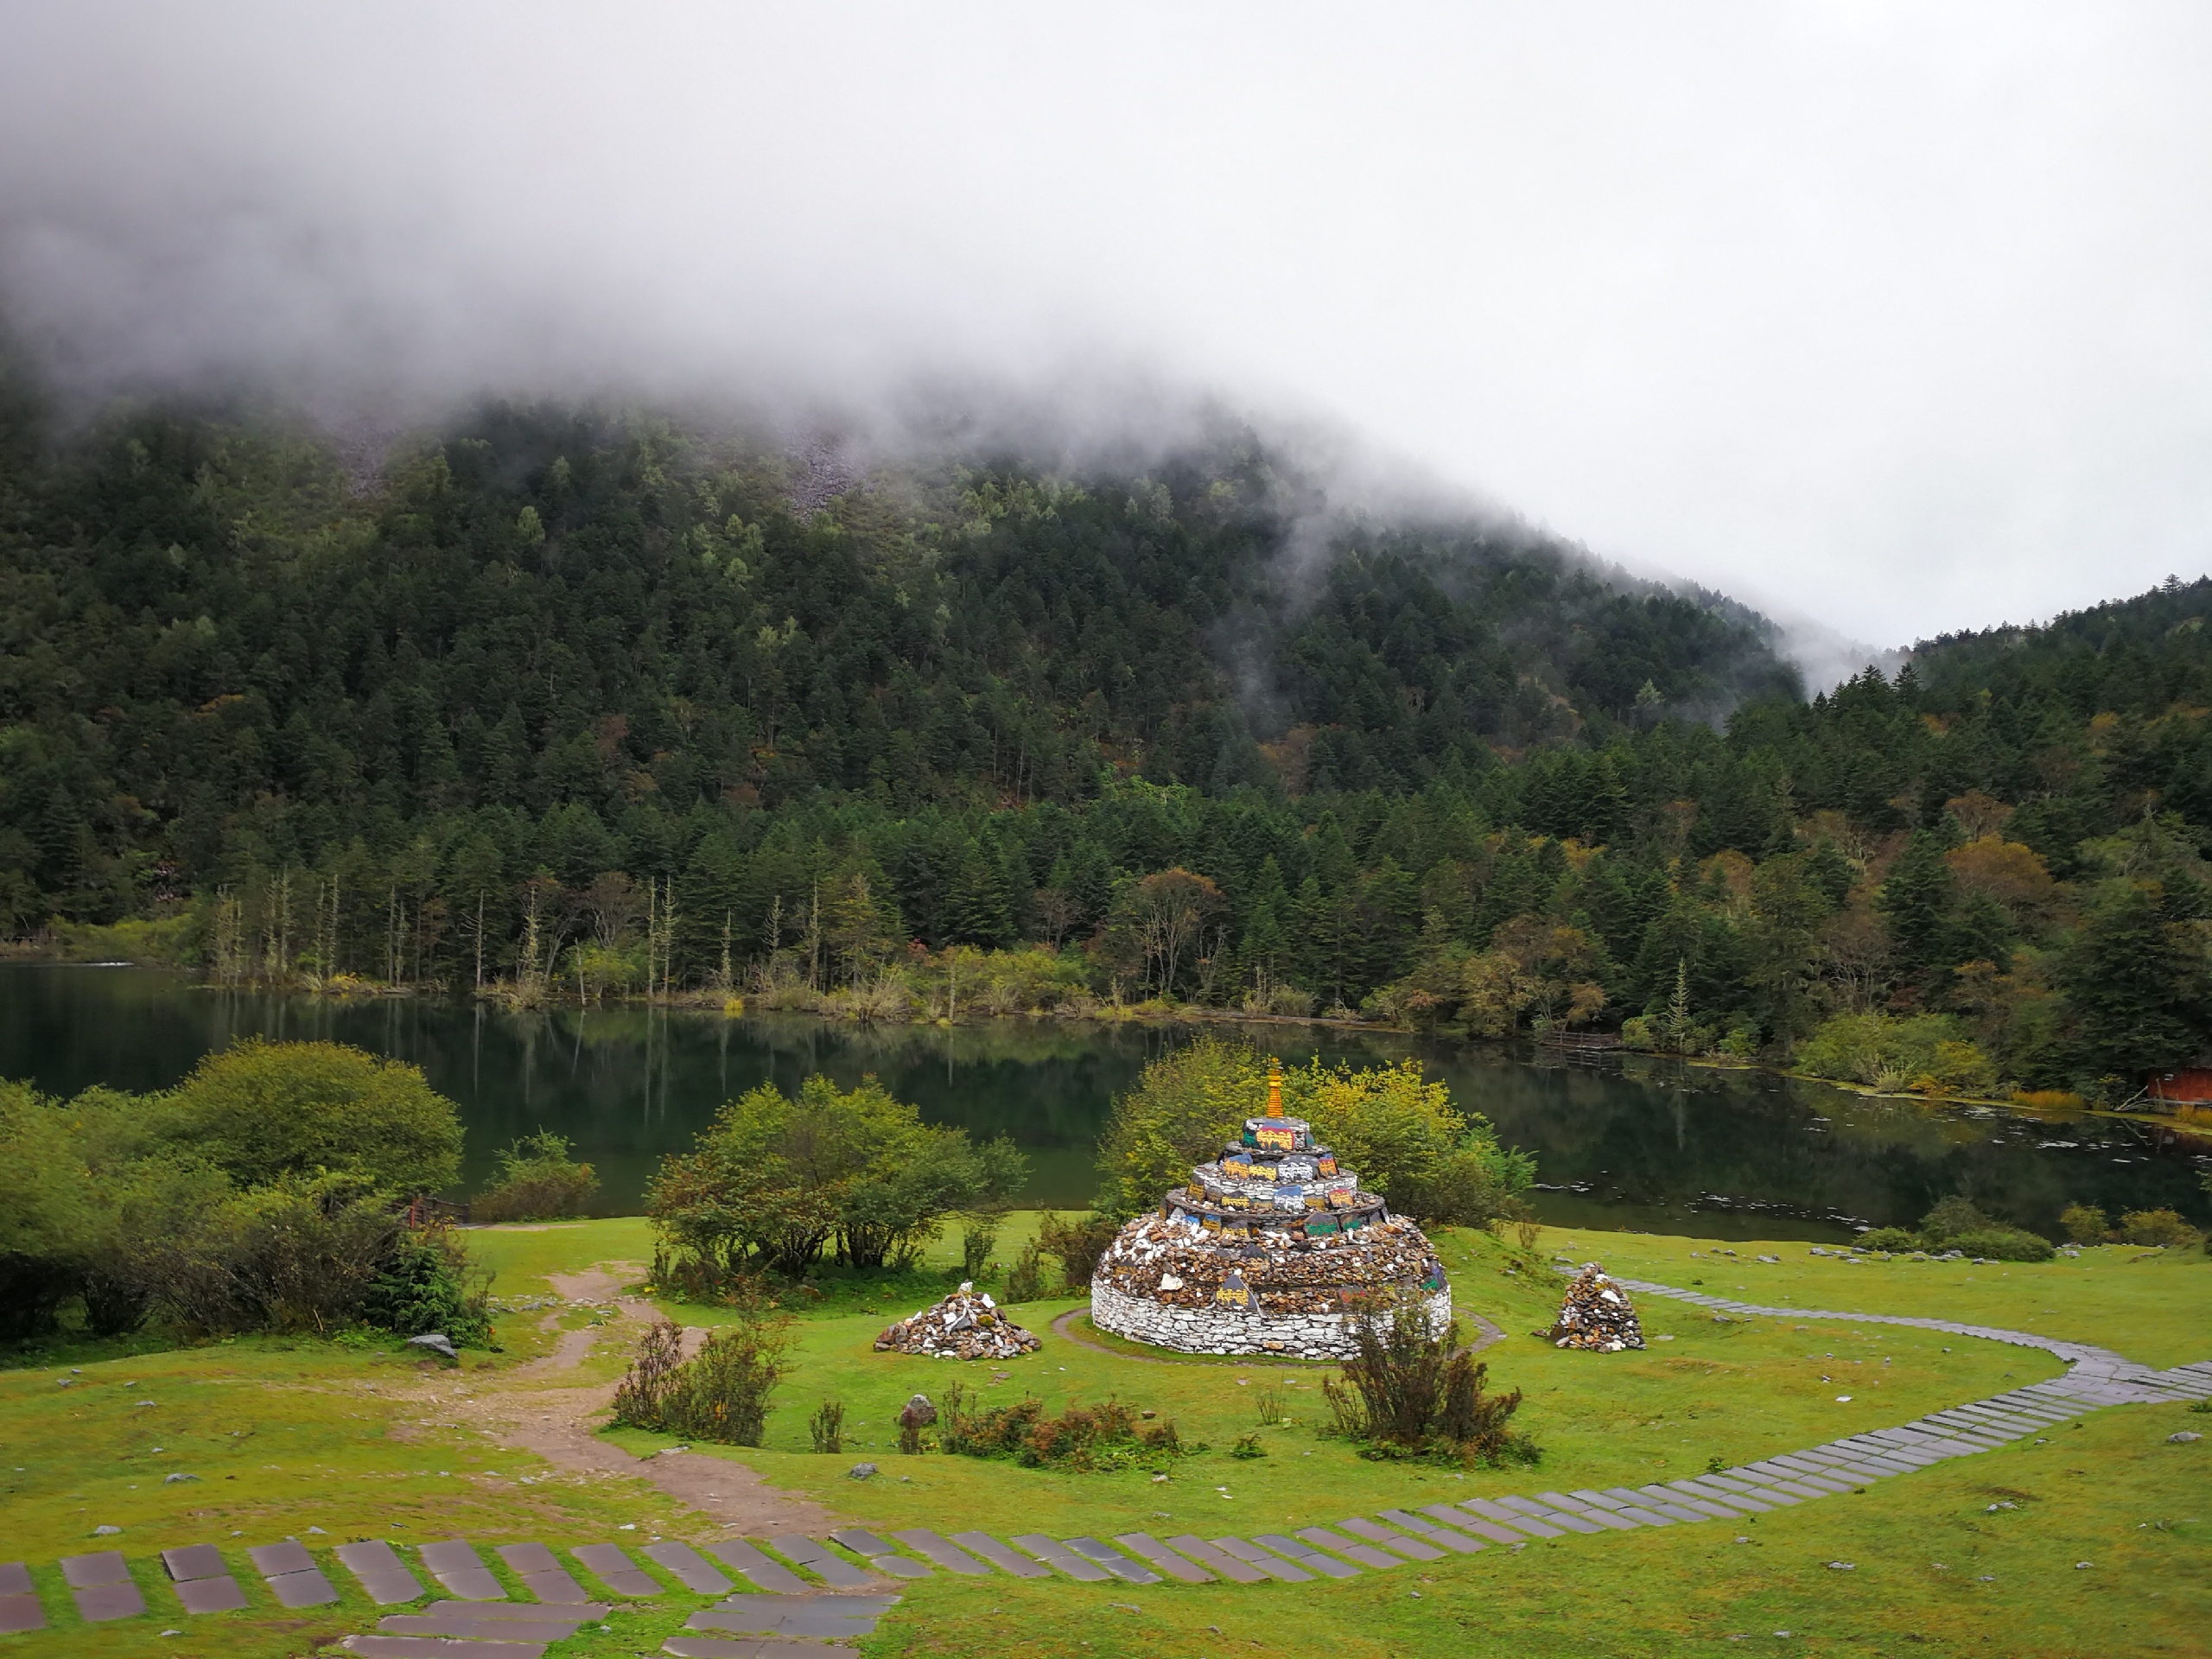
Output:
x=1641 y=1142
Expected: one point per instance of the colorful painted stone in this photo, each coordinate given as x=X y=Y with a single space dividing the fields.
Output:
x=1234 y=1293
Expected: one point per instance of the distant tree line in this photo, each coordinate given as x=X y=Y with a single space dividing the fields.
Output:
x=573 y=706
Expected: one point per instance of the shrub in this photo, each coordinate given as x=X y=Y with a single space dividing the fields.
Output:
x=775 y=1180
x=1927 y=1051
x=1086 y=1438
x=260 y=1111
x=1078 y=1244
x=2151 y=1226
x=1888 y=1238
x=1408 y=1392
x=1025 y=1280
x=721 y=1392
x=537 y=1181
x=826 y=1428
x=1950 y=1217
x=2084 y=1224
x=424 y=1286
x=2002 y=1244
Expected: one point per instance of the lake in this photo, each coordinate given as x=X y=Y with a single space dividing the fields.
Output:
x=1627 y=1142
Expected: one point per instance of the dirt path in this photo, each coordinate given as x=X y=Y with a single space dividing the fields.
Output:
x=531 y=1412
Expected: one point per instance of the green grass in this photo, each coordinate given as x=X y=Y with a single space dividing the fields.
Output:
x=284 y=1436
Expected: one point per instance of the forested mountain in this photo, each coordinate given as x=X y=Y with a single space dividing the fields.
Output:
x=572 y=698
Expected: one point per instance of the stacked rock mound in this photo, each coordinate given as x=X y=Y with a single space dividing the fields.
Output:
x=1266 y=1251
x=967 y=1324
x=1596 y=1315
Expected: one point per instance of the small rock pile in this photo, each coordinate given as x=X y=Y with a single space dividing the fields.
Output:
x=967 y=1324
x=1596 y=1315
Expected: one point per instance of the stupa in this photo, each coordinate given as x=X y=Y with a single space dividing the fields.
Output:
x=1266 y=1251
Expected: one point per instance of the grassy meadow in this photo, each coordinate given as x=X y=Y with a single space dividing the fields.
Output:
x=284 y=1436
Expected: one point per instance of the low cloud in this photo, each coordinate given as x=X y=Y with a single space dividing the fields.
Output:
x=1897 y=320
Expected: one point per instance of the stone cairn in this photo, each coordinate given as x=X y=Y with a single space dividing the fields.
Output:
x=1265 y=1251
x=1596 y=1315
x=967 y=1324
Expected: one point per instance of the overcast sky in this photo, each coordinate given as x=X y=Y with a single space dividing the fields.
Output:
x=1897 y=317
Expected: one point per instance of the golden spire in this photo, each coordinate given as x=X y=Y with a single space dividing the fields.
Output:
x=1275 y=1087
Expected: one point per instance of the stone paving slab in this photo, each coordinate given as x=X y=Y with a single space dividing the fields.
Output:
x=1220 y=1562
x=712 y=1647
x=607 y=1563
x=220 y=1595
x=1457 y=1543
x=1531 y=1509
x=101 y=1566
x=1365 y=1554
x=308 y=1589
x=942 y=1552
x=432 y=1647
x=1696 y=1491
x=15 y=1579
x=1646 y=1517
x=1273 y=1566
x=477 y=1628
x=521 y=1611
x=1420 y=1550
x=544 y=1576
x=770 y=1576
x=380 y=1569
x=270 y=1559
x=99 y=1603
x=686 y=1566
x=883 y=1557
x=989 y=1548
x=1491 y=1509
x=819 y=1560
x=1690 y=1501
x=462 y=1571
x=195 y=1561
x=822 y=1616
x=1063 y=1559
x=1146 y=1546
x=1112 y=1560
x=1298 y=1550
x=1663 y=1506
x=1479 y=1525
x=19 y=1612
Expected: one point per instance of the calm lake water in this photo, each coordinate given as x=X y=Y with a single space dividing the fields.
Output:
x=1636 y=1142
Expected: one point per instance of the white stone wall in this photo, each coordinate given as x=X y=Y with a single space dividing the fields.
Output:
x=1235 y=1330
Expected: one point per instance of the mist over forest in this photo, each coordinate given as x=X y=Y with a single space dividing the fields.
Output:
x=568 y=700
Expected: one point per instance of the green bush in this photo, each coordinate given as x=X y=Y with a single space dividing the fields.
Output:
x=2084 y=1224
x=777 y=1180
x=1888 y=1238
x=1085 y=1438
x=537 y=1181
x=721 y=1392
x=2002 y=1244
x=2156 y=1227
x=262 y=1194
x=260 y=1111
x=423 y=1286
x=1928 y=1051
x=1408 y=1391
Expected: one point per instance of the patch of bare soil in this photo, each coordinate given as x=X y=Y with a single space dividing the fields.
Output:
x=559 y=1424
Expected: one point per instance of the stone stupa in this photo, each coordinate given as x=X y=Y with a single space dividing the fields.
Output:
x=1267 y=1250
